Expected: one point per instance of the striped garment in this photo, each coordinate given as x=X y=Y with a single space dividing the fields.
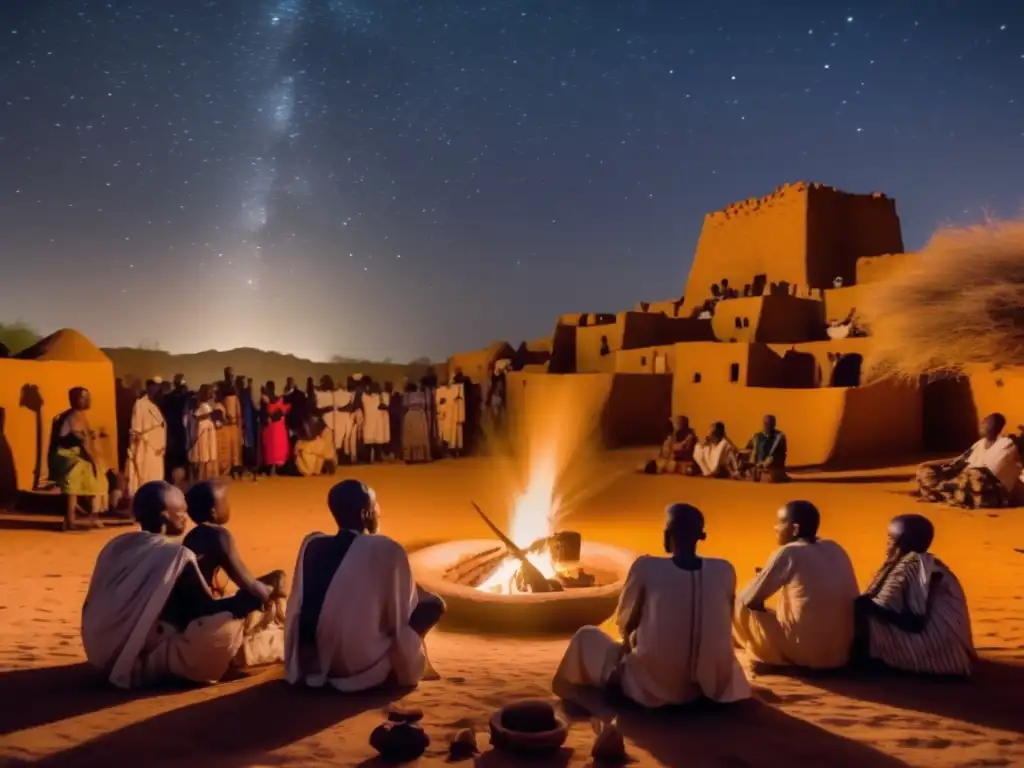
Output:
x=944 y=646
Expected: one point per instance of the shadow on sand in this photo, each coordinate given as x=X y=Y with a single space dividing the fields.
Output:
x=903 y=477
x=234 y=729
x=748 y=733
x=990 y=699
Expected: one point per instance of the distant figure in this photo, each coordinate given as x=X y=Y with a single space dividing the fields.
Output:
x=715 y=455
x=173 y=408
x=250 y=425
x=295 y=399
x=764 y=458
x=674 y=618
x=314 y=449
x=396 y=413
x=149 y=615
x=605 y=349
x=203 y=452
x=376 y=422
x=986 y=475
x=812 y=624
x=914 y=616
x=229 y=431
x=356 y=617
x=274 y=437
x=147 y=447
x=76 y=465
x=416 y=446
x=837 y=283
x=676 y=455
x=323 y=401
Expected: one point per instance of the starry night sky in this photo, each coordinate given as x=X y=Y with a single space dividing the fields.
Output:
x=396 y=178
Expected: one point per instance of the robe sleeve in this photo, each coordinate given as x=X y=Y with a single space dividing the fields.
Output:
x=774 y=576
x=631 y=601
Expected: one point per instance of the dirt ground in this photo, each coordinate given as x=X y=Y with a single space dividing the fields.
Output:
x=55 y=711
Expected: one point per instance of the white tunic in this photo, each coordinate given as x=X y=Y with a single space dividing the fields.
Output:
x=342 y=419
x=1001 y=458
x=376 y=423
x=325 y=403
x=451 y=414
x=682 y=648
x=148 y=445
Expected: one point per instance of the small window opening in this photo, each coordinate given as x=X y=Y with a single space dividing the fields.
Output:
x=734 y=372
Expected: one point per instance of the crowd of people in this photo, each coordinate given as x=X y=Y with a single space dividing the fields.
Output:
x=763 y=459
x=355 y=618
x=233 y=428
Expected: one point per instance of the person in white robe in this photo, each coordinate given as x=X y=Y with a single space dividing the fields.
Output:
x=812 y=624
x=147 y=440
x=716 y=455
x=327 y=409
x=356 y=618
x=376 y=422
x=343 y=420
x=450 y=403
x=986 y=475
x=674 y=616
x=914 y=616
x=149 y=615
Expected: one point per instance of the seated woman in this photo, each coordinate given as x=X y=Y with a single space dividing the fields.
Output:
x=914 y=616
x=314 y=449
x=75 y=465
x=676 y=455
x=215 y=549
x=715 y=455
x=985 y=475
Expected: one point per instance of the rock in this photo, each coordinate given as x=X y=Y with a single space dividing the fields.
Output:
x=463 y=745
x=399 y=742
x=609 y=746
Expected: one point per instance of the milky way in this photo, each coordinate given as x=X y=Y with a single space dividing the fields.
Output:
x=396 y=178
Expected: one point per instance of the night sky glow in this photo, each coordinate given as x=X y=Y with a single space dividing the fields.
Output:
x=396 y=178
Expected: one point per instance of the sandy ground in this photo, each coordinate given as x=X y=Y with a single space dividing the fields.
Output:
x=53 y=709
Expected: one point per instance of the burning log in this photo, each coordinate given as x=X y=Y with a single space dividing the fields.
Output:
x=529 y=574
x=473 y=569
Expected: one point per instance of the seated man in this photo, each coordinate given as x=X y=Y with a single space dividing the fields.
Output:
x=715 y=455
x=764 y=458
x=676 y=455
x=75 y=463
x=985 y=475
x=674 y=618
x=214 y=546
x=356 y=618
x=314 y=449
x=812 y=625
x=914 y=615
x=149 y=615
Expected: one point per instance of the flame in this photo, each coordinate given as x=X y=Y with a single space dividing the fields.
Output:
x=533 y=518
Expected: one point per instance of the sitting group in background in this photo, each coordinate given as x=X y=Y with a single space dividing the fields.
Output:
x=681 y=621
x=763 y=459
x=986 y=475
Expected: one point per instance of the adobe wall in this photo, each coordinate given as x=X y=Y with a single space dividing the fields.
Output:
x=25 y=435
x=563 y=349
x=634 y=330
x=831 y=426
x=768 y=319
x=669 y=307
x=642 y=360
x=755 y=365
x=1000 y=391
x=802 y=234
x=818 y=366
x=839 y=301
x=628 y=409
x=875 y=269
x=588 y=346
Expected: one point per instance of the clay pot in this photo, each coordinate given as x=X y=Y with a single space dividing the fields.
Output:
x=528 y=726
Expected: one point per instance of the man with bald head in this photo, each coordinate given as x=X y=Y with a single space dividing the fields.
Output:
x=985 y=475
x=812 y=624
x=674 y=617
x=914 y=616
x=149 y=615
x=356 y=618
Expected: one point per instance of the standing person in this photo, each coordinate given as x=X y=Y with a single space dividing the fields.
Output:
x=75 y=464
x=354 y=422
x=812 y=624
x=203 y=454
x=229 y=435
x=274 y=438
x=428 y=387
x=415 y=428
x=323 y=399
x=376 y=422
x=250 y=426
x=396 y=413
x=173 y=408
x=148 y=440
x=295 y=399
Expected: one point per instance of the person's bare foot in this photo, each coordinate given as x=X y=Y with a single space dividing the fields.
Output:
x=82 y=524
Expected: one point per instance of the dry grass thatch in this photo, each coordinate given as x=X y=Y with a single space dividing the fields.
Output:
x=959 y=305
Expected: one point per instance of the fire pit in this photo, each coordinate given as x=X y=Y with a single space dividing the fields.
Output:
x=556 y=585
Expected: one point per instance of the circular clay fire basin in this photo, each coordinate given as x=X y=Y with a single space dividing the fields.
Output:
x=523 y=613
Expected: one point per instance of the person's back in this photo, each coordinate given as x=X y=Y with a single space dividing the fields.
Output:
x=683 y=645
x=815 y=605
